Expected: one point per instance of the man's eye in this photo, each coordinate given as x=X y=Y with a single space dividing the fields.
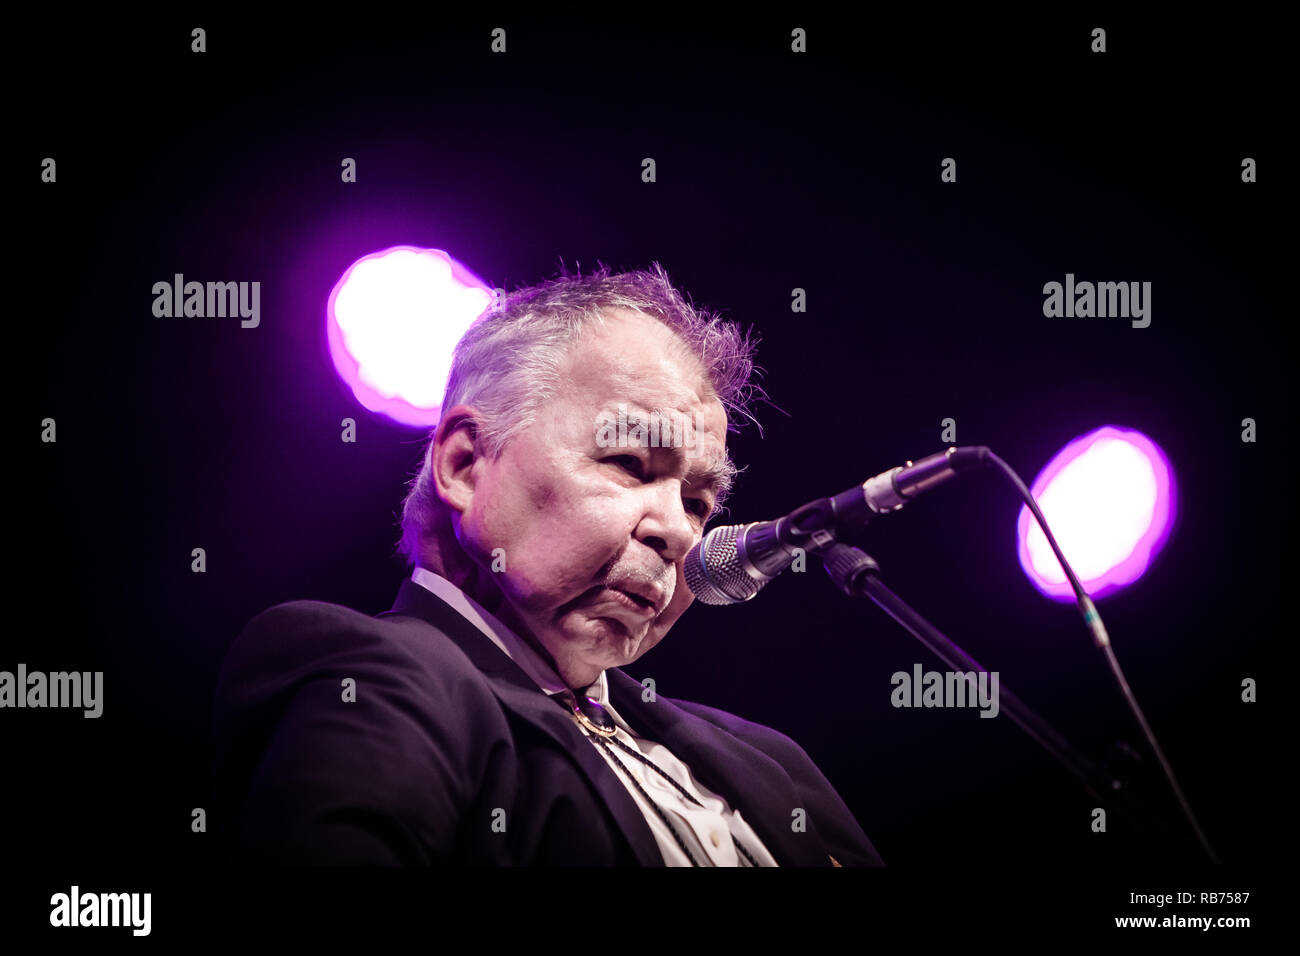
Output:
x=630 y=462
x=700 y=507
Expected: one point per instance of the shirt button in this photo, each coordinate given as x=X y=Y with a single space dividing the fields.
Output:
x=717 y=841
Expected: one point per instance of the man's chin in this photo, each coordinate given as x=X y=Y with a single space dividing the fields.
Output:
x=593 y=641
x=607 y=641
x=613 y=636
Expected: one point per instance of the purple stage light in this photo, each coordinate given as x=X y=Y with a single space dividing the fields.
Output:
x=393 y=319
x=1109 y=499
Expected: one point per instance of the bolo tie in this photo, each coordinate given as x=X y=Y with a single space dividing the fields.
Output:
x=592 y=716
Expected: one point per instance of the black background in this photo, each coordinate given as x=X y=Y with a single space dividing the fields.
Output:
x=775 y=171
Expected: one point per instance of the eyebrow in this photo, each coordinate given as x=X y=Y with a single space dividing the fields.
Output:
x=718 y=475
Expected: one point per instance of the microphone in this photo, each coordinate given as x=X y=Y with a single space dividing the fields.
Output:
x=733 y=562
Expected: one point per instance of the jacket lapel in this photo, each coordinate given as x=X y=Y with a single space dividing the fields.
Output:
x=747 y=778
x=516 y=690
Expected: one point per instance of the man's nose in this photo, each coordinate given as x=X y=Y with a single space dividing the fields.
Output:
x=665 y=525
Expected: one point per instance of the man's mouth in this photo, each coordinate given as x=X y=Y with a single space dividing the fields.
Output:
x=635 y=601
x=644 y=593
x=628 y=607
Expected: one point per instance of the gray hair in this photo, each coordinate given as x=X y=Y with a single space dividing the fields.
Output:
x=508 y=363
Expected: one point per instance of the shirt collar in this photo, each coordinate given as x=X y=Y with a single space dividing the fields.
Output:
x=512 y=645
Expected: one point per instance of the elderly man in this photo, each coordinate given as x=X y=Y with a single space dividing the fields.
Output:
x=484 y=719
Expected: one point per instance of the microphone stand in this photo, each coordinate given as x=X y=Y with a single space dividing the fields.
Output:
x=857 y=574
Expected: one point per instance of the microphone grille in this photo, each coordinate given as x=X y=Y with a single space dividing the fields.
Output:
x=713 y=570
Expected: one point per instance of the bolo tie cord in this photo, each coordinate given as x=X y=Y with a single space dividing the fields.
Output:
x=654 y=806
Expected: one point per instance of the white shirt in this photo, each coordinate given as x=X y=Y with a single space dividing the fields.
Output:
x=710 y=831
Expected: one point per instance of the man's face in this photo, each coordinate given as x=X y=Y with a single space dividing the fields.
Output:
x=593 y=537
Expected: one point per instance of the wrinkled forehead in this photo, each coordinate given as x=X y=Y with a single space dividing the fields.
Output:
x=637 y=360
x=634 y=381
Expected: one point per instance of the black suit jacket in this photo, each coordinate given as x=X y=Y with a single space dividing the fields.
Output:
x=450 y=754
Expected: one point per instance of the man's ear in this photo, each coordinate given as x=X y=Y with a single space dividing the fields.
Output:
x=456 y=456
